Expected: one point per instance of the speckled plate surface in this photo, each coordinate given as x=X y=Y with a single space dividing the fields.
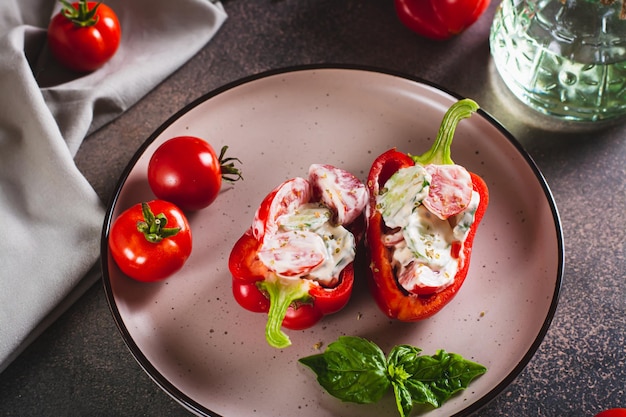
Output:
x=208 y=353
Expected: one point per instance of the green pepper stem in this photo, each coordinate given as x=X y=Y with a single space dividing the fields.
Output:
x=439 y=153
x=281 y=293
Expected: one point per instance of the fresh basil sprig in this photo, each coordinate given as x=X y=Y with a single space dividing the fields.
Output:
x=354 y=369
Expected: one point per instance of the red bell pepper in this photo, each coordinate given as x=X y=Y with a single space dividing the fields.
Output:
x=439 y=19
x=272 y=272
x=392 y=298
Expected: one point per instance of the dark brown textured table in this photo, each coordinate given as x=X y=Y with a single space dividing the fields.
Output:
x=80 y=366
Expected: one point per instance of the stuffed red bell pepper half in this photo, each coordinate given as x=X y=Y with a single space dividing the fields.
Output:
x=421 y=221
x=296 y=260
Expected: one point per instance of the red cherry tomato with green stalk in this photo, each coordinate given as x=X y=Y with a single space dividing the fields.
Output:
x=612 y=412
x=150 y=241
x=186 y=171
x=439 y=19
x=83 y=36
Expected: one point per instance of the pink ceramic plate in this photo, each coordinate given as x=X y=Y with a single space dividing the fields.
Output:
x=208 y=353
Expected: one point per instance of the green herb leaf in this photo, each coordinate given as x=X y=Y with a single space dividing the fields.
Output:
x=403 y=364
x=437 y=378
x=351 y=369
x=404 y=400
x=356 y=370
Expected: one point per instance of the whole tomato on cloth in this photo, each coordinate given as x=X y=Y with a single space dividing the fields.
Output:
x=186 y=171
x=612 y=412
x=83 y=36
x=147 y=246
x=439 y=19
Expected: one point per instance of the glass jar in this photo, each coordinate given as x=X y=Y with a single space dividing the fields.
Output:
x=565 y=58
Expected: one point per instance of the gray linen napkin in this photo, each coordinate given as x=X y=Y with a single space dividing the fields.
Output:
x=50 y=217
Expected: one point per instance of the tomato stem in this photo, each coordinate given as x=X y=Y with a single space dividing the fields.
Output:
x=81 y=16
x=153 y=227
x=439 y=153
x=229 y=172
x=281 y=293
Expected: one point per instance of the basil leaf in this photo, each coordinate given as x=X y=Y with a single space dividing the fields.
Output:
x=352 y=369
x=401 y=366
x=404 y=399
x=421 y=393
x=434 y=379
x=356 y=370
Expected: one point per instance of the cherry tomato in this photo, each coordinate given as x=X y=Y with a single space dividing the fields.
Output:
x=186 y=171
x=439 y=19
x=150 y=241
x=340 y=190
x=83 y=36
x=450 y=190
x=293 y=253
x=283 y=199
x=612 y=412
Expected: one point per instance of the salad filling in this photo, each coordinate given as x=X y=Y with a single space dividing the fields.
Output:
x=428 y=212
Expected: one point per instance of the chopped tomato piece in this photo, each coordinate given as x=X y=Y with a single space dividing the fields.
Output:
x=450 y=190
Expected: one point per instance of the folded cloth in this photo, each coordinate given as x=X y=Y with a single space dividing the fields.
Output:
x=50 y=216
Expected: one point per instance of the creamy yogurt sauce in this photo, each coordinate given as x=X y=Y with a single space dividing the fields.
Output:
x=421 y=242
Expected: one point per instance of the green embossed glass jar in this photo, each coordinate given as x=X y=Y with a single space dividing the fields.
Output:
x=565 y=58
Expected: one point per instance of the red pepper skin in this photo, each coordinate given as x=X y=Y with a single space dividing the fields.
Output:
x=439 y=19
x=247 y=270
x=390 y=297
